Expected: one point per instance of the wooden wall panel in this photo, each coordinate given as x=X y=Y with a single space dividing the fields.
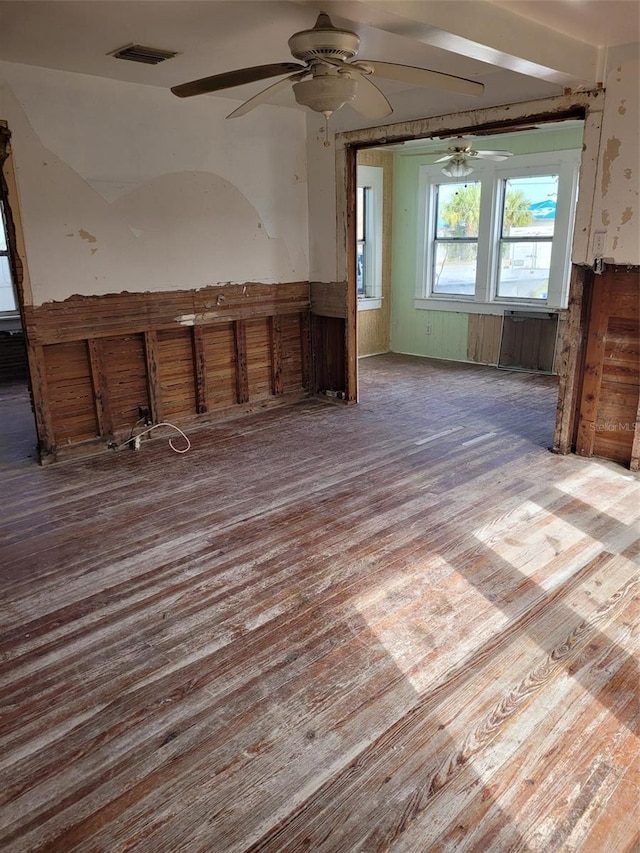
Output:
x=259 y=364
x=125 y=313
x=13 y=357
x=126 y=378
x=176 y=369
x=611 y=381
x=483 y=338
x=210 y=353
x=291 y=332
x=329 y=299
x=71 y=401
x=529 y=343
x=219 y=352
x=329 y=353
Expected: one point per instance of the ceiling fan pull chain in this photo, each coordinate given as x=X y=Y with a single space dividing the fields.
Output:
x=326 y=142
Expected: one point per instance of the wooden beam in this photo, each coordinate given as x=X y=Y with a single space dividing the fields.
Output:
x=100 y=388
x=40 y=402
x=306 y=351
x=242 y=374
x=153 y=375
x=200 y=369
x=569 y=359
x=276 y=355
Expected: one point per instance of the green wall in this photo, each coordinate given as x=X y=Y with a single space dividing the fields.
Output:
x=409 y=326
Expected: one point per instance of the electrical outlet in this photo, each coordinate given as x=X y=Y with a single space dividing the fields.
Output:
x=427 y=329
x=599 y=241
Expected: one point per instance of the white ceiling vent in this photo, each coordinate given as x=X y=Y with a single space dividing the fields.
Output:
x=140 y=53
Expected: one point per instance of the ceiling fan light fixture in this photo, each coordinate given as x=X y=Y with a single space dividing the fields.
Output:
x=325 y=94
x=457 y=167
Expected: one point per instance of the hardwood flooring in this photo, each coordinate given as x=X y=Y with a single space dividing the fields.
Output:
x=401 y=626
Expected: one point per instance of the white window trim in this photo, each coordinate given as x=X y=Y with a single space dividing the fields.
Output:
x=563 y=163
x=372 y=177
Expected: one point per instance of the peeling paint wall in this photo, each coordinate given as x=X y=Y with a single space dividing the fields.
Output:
x=127 y=188
x=616 y=208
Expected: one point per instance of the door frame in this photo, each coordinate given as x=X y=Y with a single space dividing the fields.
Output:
x=586 y=106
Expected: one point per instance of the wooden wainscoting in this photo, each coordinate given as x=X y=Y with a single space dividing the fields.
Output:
x=609 y=404
x=187 y=356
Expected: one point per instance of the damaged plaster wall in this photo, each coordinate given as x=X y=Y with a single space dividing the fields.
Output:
x=124 y=187
x=616 y=209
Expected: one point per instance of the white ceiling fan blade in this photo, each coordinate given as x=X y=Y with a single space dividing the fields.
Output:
x=370 y=101
x=440 y=159
x=492 y=155
x=423 y=77
x=263 y=96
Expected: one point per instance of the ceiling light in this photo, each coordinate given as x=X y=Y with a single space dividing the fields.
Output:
x=325 y=94
x=457 y=167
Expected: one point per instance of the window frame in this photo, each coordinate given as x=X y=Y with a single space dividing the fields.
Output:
x=371 y=178
x=9 y=313
x=491 y=176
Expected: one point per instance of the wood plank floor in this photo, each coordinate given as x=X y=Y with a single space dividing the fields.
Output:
x=401 y=626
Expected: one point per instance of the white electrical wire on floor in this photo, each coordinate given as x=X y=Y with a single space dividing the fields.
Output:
x=136 y=438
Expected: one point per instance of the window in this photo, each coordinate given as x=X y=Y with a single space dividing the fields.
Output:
x=455 y=246
x=528 y=216
x=363 y=202
x=369 y=236
x=7 y=295
x=502 y=237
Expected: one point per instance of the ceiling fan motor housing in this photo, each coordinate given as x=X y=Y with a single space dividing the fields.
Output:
x=324 y=41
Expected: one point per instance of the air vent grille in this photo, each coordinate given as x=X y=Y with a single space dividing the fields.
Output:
x=140 y=53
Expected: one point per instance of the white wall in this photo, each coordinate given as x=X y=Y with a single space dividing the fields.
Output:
x=617 y=203
x=125 y=187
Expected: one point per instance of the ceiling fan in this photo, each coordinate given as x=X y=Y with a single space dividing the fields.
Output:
x=458 y=155
x=324 y=80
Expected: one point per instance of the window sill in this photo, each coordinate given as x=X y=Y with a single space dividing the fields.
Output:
x=369 y=303
x=466 y=306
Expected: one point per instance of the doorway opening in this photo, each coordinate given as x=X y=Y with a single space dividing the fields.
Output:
x=476 y=252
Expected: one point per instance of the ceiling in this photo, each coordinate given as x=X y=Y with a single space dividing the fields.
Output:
x=519 y=49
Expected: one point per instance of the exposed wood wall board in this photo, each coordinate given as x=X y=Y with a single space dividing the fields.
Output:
x=483 y=338
x=13 y=357
x=176 y=372
x=611 y=385
x=306 y=354
x=70 y=392
x=100 y=391
x=570 y=359
x=125 y=360
x=200 y=368
x=276 y=355
x=528 y=343
x=152 y=363
x=40 y=401
x=329 y=299
x=240 y=360
x=328 y=336
x=291 y=338
x=116 y=314
x=219 y=346
x=259 y=358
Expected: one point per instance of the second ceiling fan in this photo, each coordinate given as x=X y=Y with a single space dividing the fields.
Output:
x=324 y=80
